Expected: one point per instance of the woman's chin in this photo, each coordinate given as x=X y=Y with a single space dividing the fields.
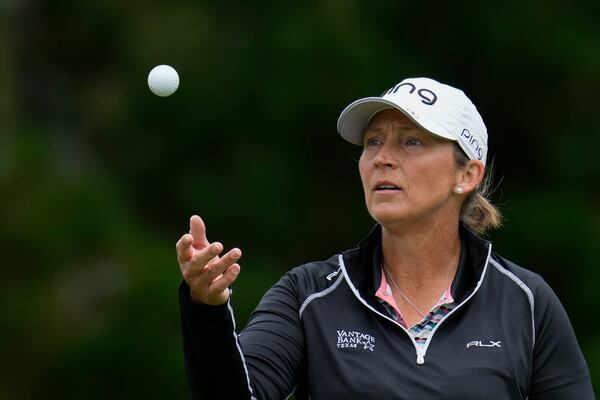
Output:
x=389 y=217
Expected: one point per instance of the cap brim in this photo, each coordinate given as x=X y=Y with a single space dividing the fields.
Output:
x=353 y=121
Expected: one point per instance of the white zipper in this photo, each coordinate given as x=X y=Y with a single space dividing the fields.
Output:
x=420 y=350
x=420 y=356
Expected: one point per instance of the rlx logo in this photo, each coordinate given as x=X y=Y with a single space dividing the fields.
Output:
x=479 y=343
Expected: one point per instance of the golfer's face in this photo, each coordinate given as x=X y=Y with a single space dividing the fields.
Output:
x=408 y=175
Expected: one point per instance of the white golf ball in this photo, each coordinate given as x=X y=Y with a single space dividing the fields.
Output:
x=163 y=80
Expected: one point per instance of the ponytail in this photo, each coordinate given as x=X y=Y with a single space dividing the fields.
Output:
x=477 y=211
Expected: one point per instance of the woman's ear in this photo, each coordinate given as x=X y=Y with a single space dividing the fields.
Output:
x=470 y=176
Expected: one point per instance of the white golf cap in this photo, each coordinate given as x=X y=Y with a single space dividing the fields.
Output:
x=439 y=109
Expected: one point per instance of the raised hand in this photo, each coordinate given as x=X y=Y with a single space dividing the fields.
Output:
x=207 y=274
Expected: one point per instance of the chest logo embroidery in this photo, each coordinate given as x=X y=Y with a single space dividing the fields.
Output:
x=356 y=340
x=479 y=343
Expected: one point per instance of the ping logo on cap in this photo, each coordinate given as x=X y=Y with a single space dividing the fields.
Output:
x=427 y=96
x=472 y=142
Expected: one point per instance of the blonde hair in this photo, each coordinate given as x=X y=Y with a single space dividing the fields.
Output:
x=477 y=211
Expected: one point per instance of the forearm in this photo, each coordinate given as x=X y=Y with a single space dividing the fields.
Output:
x=213 y=360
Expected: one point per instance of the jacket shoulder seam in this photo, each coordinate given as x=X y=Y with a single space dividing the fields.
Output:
x=320 y=294
x=523 y=287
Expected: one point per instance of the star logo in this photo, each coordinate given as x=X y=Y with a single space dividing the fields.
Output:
x=369 y=345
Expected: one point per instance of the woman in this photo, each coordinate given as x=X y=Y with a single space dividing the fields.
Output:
x=422 y=309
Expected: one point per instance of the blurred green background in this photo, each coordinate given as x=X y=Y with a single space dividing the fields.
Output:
x=98 y=176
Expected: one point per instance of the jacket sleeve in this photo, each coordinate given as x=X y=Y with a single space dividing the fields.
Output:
x=559 y=370
x=263 y=362
x=273 y=342
x=213 y=360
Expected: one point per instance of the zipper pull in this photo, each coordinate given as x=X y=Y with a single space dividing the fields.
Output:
x=420 y=357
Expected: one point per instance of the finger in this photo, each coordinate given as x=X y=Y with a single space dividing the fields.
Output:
x=225 y=280
x=204 y=256
x=216 y=268
x=184 y=248
x=198 y=231
x=194 y=272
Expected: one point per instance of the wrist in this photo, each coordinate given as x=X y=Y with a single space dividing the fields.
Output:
x=216 y=301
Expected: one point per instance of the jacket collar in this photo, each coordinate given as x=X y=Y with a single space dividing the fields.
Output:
x=363 y=264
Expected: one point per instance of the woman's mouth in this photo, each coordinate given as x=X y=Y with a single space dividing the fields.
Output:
x=386 y=187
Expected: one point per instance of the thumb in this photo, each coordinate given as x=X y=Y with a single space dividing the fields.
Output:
x=198 y=231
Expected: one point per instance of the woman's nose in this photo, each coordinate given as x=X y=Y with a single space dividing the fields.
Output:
x=384 y=157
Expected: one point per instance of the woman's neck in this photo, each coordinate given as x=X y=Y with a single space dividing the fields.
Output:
x=424 y=256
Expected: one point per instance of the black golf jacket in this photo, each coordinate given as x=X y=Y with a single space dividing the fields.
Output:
x=321 y=334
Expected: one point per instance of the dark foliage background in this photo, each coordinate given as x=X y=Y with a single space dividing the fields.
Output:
x=98 y=176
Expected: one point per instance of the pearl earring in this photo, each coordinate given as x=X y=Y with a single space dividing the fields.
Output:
x=458 y=190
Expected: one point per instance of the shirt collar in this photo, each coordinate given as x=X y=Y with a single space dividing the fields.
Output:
x=365 y=269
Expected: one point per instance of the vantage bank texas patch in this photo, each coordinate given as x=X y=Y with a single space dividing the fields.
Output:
x=350 y=339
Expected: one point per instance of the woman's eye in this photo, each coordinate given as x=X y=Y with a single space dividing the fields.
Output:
x=373 y=142
x=413 y=142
